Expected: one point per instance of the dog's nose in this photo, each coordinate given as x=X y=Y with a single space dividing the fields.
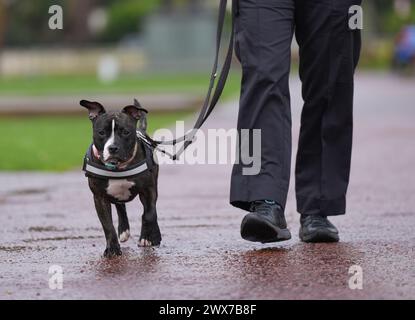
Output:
x=113 y=149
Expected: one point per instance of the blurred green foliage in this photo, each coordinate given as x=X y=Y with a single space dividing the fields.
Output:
x=27 y=23
x=27 y=20
x=394 y=23
x=387 y=20
x=125 y=17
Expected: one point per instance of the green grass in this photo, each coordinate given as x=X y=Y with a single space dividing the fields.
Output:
x=67 y=85
x=55 y=143
x=58 y=143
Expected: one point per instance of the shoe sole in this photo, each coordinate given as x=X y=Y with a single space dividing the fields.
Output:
x=319 y=236
x=259 y=230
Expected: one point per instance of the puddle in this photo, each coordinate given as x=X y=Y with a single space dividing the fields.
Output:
x=54 y=215
x=196 y=226
x=27 y=192
x=47 y=229
x=13 y=248
x=21 y=249
x=398 y=214
x=61 y=238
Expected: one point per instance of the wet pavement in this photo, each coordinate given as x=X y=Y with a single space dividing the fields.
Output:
x=49 y=219
x=46 y=105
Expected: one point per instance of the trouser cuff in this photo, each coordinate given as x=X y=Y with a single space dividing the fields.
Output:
x=310 y=206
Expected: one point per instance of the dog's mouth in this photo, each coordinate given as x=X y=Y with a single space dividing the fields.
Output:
x=113 y=163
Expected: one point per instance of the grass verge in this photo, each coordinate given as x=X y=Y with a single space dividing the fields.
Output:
x=55 y=143
x=58 y=143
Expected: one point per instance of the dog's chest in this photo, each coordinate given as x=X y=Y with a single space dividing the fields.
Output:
x=120 y=189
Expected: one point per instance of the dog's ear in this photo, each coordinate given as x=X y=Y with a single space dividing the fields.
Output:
x=138 y=113
x=94 y=108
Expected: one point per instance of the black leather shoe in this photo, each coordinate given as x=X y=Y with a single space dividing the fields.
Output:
x=315 y=228
x=266 y=223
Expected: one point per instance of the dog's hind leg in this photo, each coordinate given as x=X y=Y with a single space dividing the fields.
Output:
x=123 y=225
x=103 y=208
x=150 y=232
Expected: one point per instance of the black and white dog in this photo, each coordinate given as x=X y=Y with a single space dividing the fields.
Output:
x=120 y=166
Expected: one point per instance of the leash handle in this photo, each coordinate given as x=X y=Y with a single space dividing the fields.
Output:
x=210 y=101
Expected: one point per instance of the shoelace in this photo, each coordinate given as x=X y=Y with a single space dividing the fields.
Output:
x=261 y=207
x=317 y=221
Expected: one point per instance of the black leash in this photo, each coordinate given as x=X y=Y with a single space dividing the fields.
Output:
x=210 y=101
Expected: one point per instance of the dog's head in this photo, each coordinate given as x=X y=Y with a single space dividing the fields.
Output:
x=114 y=134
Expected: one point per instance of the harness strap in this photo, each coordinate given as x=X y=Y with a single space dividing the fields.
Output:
x=115 y=174
x=96 y=170
x=210 y=101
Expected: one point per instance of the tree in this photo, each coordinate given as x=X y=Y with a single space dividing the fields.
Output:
x=126 y=17
x=3 y=24
x=78 y=13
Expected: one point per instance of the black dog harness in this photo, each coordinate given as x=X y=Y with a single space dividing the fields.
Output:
x=95 y=170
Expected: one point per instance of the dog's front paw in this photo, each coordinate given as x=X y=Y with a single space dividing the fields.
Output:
x=145 y=243
x=124 y=235
x=150 y=237
x=112 y=252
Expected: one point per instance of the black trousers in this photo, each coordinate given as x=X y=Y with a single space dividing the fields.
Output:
x=329 y=53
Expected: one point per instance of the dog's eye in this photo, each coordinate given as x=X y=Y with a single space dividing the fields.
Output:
x=126 y=132
x=101 y=133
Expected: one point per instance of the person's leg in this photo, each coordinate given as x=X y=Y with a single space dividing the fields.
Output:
x=329 y=53
x=264 y=31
